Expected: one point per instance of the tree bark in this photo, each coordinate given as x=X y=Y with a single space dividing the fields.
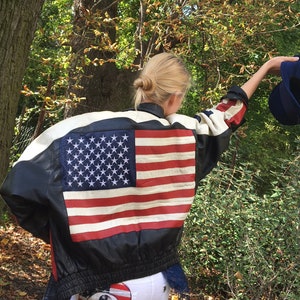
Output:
x=94 y=76
x=100 y=83
x=18 y=21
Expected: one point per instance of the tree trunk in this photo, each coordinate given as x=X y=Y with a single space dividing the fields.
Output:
x=98 y=82
x=17 y=26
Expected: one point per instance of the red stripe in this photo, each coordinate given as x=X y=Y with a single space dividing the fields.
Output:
x=86 y=236
x=163 y=133
x=235 y=119
x=153 y=149
x=165 y=210
x=123 y=290
x=96 y=202
x=53 y=262
x=120 y=286
x=224 y=106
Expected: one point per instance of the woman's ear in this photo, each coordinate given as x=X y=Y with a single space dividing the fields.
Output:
x=173 y=104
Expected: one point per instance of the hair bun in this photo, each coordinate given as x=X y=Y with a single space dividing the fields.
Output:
x=144 y=82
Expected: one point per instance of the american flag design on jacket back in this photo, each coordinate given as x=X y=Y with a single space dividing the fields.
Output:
x=127 y=180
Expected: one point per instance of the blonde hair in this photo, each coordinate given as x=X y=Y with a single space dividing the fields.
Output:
x=163 y=75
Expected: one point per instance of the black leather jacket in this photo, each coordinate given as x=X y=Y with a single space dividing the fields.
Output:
x=111 y=190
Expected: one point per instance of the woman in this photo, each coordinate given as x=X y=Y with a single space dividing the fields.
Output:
x=111 y=190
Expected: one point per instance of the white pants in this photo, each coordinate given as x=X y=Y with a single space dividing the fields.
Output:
x=154 y=287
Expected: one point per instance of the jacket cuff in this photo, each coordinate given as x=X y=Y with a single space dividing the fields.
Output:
x=236 y=93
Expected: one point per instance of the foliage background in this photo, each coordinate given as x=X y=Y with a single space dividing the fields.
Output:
x=241 y=240
x=243 y=245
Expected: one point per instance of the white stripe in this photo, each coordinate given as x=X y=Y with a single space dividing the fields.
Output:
x=165 y=141
x=106 y=194
x=83 y=228
x=120 y=292
x=232 y=111
x=186 y=121
x=165 y=173
x=212 y=126
x=108 y=210
x=215 y=122
x=149 y=158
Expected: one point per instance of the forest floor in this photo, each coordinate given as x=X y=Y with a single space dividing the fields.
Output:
x=25 y=265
